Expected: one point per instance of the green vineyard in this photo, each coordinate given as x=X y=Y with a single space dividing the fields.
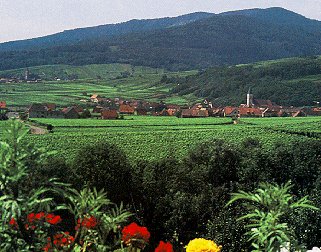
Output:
x=153 y=138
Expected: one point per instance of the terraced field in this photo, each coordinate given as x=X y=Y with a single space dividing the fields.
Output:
x=106 y=80
x=152 y=138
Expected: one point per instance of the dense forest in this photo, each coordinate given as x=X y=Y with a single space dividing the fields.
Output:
x=224 y=39
x=292 y=82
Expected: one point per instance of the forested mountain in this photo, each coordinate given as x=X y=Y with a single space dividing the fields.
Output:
x=292 y=82
x=103 y=31
x=224 y=39
x=280 y=16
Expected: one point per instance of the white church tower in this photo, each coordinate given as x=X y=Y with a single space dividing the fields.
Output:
x=249 y=99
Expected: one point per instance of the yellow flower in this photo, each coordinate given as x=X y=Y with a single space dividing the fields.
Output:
x=202 y=245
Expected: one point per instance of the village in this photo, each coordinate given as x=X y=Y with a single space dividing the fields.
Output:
x=101 y=107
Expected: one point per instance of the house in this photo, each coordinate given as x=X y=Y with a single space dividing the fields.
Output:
x=189 y=113
x=312 y=111
x=3 y=110
x=78 y=109
x=107 y=114
x=230 y=111
x=216 y=112
x=293 y=112
x=3 y=105
x=299 y=113
x=270 y=112
x=126 y=109
x=50 y=106
x=249 y=112
x=168 y=112
x=37 y=110
x=173 y=106
x=95 y=98
x=97 y=109
x=70 y=113
x=45 y=110
x=141 y=111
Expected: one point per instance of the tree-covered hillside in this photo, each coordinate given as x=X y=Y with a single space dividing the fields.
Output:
x=217 y=40
x=103 y=31
x=293 y=82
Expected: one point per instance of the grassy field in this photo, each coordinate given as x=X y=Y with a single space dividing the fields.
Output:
x=152 y=138
x=141 y=83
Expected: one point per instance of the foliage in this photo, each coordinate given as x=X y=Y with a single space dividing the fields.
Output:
x=97 y=218
x=28 y=221
x=17 y=198
x=291 y=82
x=267 y=206
x=104 y=166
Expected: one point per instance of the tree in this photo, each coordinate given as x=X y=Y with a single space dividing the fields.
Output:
x=104 y=166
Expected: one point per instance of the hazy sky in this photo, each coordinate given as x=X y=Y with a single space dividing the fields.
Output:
x=20 y=19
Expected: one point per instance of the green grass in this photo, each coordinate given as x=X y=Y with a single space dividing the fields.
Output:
x=153 y=138
x=143 y=83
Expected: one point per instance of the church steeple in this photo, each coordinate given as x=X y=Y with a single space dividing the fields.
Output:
x=27 y=74
x=249 y=99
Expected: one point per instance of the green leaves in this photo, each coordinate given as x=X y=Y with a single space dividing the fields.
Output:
x=17 y=199
x=266 y=206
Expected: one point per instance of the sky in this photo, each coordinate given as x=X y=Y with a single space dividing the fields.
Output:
x=22 y=19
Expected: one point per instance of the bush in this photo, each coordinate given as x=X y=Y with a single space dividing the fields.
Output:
x=104 y=166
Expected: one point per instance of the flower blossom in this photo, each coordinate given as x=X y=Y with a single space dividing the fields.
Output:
x=59 y=241
x=134 y=235
x=87 y=222
x=164 y=247
x=202 y=245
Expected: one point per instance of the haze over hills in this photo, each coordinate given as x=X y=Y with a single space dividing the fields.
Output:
x=194 y=41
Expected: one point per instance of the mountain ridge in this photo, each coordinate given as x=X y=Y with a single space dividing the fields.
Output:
x=107 y=30
x=213 y=39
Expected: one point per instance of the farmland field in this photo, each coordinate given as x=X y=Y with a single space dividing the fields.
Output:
x=152 y=138
x=106 y=80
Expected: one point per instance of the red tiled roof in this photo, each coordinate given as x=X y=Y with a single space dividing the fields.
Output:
x=126 y=109
x=250 y=111
x=109 y=114
x=229 y=110
x=95 y=96
x=194 y=113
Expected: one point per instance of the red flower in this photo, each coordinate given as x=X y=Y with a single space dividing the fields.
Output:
x=87 y=222
x=135 y=232
x=13 y=222
x=53 y=219
x=59 y=241
x=164 y=247
x=31 y=217
x=39 y=215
